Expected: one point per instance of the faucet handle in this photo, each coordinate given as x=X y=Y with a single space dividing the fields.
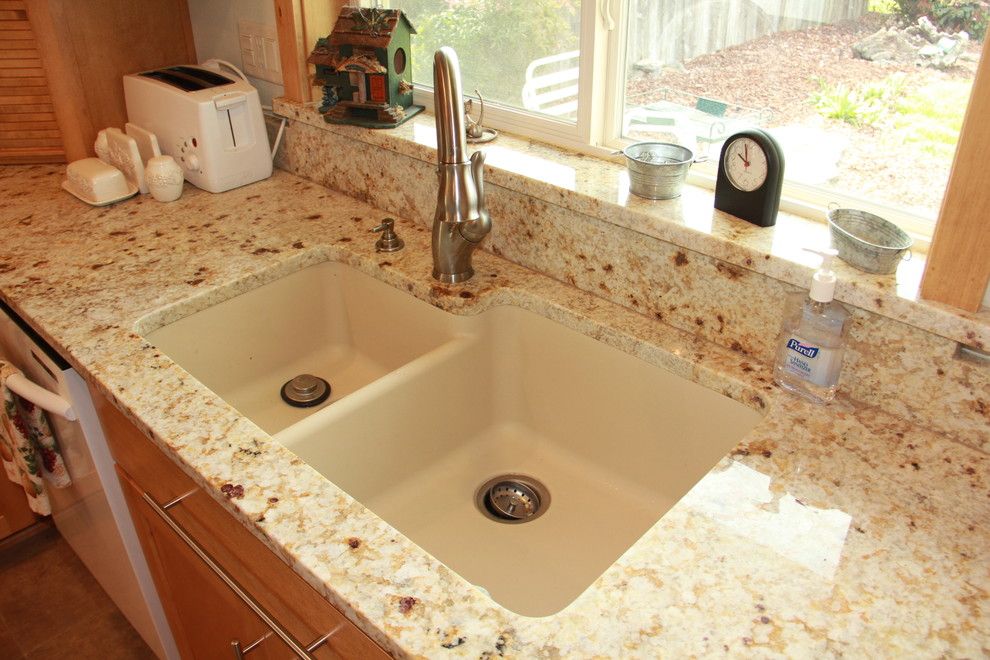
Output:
x=481 y=223
x=389 y=240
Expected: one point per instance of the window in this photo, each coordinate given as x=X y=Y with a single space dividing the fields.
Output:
x=879 y=135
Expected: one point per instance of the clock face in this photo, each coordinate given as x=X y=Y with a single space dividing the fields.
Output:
x=745 y=164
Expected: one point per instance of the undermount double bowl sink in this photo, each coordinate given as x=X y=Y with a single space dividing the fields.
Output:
x=427 y=407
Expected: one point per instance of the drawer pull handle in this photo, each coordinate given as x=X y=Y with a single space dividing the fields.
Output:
x=239 y=652
x=297 y=647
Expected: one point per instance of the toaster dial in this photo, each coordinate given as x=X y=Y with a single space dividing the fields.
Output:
x=187 y=154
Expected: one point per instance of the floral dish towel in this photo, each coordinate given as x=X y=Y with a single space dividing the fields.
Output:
x=28 y=448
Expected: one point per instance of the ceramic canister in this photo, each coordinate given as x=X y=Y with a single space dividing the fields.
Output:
x=164 y=177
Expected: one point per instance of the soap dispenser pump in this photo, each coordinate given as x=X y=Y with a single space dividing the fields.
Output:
x=812 y=337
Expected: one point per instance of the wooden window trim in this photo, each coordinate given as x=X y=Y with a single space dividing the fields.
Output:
x=299 y=24
x=958 y=267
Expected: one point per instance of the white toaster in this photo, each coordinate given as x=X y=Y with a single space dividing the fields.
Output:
x=212 y=125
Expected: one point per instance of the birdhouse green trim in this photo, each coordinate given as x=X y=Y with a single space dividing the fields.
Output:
x=365 y=68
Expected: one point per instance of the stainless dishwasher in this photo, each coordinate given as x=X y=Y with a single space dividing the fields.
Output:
x=91 y=514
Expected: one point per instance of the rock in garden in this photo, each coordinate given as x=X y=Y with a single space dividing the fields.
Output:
x=921 y=44
x=888 y=45
x=648 y=66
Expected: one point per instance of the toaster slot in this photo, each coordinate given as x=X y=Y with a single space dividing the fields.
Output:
x=187 y=78
x=207 y=77
x=233 y=121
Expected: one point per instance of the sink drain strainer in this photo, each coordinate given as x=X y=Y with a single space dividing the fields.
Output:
x=305 y=390
x=513 y=498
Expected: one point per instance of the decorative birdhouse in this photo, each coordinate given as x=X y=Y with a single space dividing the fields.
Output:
x=365 y=68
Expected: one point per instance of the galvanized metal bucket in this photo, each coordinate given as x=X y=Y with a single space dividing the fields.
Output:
x=657 y=169
x=867 y=241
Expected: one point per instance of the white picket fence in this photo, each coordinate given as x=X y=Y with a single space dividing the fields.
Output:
x=668 y=32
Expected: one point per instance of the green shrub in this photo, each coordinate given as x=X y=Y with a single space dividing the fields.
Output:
x=869 y=105
x=930 y=115
x=971 y=16
x=495 y=40
x=882 y=6
x=950 y=15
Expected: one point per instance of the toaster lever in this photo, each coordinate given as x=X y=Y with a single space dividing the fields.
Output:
x=233 y=121
x=227 y=101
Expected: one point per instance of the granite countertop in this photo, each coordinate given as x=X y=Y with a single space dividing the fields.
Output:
x=826 y=531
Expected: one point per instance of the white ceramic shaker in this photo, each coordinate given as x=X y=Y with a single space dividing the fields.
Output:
x=164 y=177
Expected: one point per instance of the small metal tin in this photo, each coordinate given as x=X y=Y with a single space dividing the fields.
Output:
x=867 y=241
x=657 y=170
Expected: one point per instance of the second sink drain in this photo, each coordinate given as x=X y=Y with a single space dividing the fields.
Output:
x=305 y=391
x=513 y=498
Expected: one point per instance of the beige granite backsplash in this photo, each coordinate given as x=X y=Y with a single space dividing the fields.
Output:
x=901 y=369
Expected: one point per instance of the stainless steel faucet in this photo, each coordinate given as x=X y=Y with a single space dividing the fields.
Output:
x=461 y=220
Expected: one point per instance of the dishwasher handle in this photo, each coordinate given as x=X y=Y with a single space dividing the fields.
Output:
x=39 y=396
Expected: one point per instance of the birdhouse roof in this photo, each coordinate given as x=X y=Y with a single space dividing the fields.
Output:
x=372 y=27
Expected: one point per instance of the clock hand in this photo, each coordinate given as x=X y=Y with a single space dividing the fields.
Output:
x=745 y=162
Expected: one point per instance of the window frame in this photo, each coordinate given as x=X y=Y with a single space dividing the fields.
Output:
x=958 y=267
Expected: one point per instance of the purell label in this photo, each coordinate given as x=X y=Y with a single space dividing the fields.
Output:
x=810 y=362
x=806 y=350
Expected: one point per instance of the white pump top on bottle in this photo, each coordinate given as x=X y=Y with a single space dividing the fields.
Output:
x=823 y=281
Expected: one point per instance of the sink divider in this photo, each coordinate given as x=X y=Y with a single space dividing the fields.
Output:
x=378 y=390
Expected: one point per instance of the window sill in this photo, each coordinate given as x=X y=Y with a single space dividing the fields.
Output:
x=600 y=188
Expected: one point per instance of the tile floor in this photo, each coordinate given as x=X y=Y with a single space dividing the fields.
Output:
x=51 y=607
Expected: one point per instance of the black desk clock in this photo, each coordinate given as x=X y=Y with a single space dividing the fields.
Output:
x=750 y=176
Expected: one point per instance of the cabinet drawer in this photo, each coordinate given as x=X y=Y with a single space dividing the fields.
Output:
x=297 y=606
x=193 y=596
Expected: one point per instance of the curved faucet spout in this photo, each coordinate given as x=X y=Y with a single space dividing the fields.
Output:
x=449 y=107
x=461 y=220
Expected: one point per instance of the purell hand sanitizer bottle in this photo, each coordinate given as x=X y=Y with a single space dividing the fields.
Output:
x=812 y=337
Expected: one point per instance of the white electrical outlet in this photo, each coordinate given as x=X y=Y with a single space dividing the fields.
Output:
x=259 y=51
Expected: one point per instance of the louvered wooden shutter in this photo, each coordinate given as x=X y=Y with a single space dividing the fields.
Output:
x=28 y=131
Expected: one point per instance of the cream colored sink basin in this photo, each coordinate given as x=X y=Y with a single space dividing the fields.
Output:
x=616 y=442
x=428 y=406
x=328 y=320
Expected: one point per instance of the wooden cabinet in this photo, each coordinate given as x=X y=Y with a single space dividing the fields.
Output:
x=15 y=514
x=204 y=612
x=61 y=65
x=206 y=617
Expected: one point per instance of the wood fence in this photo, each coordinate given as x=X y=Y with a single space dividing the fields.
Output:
x=671 y=31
